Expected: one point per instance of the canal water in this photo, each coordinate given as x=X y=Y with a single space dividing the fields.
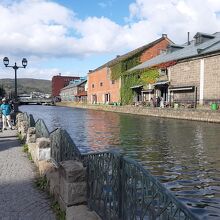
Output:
x=184 y=155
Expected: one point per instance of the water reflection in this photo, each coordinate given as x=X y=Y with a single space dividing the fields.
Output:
x=184 y=155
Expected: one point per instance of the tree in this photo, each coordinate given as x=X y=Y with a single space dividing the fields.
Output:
x=2 y=91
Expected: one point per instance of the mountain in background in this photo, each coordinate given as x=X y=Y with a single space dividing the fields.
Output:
x=26 y=85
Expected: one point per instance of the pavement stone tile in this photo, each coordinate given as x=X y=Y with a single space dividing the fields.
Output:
x=19 y=199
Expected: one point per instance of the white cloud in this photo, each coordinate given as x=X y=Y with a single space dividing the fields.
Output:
x=177 y=17
x=44 y=29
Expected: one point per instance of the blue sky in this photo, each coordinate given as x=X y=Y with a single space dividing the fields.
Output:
x=72 y=37
x=116 y=10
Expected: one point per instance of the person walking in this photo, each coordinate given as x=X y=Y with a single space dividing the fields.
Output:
x=6 y=110
x=0 y=116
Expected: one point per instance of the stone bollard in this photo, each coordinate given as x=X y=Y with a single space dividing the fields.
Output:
x=73 y=185
x=19 y=118
x=31 y=135
x=23 y=128
x=42 y=149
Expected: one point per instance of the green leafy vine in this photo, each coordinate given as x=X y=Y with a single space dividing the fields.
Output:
x=129 y=79
x=134 y=78
x=119 y=69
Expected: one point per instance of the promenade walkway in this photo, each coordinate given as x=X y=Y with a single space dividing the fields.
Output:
x=19 y=199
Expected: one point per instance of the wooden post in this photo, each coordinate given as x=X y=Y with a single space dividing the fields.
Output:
x=195 y=97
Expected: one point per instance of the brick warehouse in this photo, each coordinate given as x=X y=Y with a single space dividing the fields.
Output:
x=101 y=89
x=59 y=82
x=193 y=76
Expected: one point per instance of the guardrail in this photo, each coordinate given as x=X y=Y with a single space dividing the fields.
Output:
x=62 y=146
x=118 y=188
x=41 y=129
x=29 y=119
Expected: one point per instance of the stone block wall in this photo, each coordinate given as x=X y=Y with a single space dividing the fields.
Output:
x=185 y=74
x=188 y=74
x=180 y=113
x=72 y=177
x=212 y=79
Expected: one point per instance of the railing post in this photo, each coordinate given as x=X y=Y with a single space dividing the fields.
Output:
x=121 y=182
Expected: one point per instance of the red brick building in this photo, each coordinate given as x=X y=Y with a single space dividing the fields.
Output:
x=101 y=89
x=59 y=82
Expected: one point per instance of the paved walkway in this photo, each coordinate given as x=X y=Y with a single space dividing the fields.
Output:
x=19 y=199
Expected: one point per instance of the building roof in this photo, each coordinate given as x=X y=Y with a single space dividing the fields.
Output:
x=211 y=45
x=72 y=85
x=131 y=53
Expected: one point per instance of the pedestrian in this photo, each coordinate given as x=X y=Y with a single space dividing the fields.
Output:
x=6 y=110
x=153 y=101
x=12 y=114
x=161 y=102
x=158 y=101
x=0 y=116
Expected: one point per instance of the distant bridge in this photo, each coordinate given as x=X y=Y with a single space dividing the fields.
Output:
x=38 y=101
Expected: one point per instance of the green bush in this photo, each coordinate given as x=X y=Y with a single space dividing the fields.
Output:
x=25 y=148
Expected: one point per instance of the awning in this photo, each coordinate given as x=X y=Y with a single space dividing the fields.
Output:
x=136 y=87
x=147 y=91
x=182 y=88
x=161 y=82
x=82 y=93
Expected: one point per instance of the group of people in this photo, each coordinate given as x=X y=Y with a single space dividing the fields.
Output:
x=6 y=109
x=157 y=102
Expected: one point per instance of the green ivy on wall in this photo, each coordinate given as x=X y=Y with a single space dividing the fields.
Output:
x=134 y=78
x=116 y=71
x=119 y=69
x=149 y=76
x=127 y=93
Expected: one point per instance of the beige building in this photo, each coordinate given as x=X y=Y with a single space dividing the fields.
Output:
x=191 y=72
x=76 y=92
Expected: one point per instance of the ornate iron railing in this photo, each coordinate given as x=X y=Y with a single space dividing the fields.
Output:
x=62 y=146
x=144 y=197
x=29 y=119
x=41 y=129
x=121 y=189
x=104 y=191
x=118 y=188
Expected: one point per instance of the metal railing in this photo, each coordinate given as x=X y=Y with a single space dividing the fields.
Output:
x=118 y=188
x=41 y=129
x=29 y=119
x=121 y=189
x=62 y=146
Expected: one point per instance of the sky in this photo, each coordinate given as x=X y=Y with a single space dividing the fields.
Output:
x=72 y=37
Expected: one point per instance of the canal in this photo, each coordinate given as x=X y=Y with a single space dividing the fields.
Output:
x=184 y=155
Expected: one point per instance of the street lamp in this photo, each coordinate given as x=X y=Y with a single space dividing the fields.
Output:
x=15 y=67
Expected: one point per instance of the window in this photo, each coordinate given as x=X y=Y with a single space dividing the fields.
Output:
x=101 y=83
x=113 y=81
x=93 y=86
x=163 y=72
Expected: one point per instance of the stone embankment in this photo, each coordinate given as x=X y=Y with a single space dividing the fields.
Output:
x=66 y=180
x=180 y=113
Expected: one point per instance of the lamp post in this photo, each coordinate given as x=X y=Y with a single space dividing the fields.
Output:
x=15 y=67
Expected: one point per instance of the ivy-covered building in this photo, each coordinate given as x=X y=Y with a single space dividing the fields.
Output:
x=191 y=72
x=107 y=83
